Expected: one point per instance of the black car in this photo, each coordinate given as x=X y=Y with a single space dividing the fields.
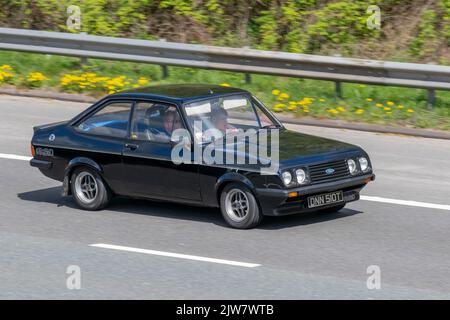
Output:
x=125 y=144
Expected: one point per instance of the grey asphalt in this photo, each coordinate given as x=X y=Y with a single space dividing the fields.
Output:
x=307 y=256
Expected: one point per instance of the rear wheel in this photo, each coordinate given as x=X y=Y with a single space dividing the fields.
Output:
x=89 y=190
x=239 y=207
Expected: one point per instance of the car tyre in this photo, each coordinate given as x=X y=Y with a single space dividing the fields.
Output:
x=332 y=209
x=89 y=190
x=239 y=207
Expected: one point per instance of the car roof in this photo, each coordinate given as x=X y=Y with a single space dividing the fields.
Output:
x=179 y=92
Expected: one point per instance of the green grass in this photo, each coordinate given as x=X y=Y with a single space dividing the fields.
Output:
x=355 y=95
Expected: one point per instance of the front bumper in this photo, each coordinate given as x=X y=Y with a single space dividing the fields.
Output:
x=275 y=202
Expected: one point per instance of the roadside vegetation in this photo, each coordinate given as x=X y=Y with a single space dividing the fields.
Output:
x=296 y=97
x=411 y=30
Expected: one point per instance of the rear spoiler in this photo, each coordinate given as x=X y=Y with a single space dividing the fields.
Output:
x=45 y=126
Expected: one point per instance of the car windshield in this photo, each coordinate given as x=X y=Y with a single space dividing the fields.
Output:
x=228 y=114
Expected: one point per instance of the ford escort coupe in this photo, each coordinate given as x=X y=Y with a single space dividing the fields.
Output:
x=162 y=143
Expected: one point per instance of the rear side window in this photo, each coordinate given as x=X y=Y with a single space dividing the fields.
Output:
x=111 y=120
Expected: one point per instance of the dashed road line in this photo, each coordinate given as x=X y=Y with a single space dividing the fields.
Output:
x=176 y=255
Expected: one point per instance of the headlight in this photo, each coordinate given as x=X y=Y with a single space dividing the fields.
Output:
x=351 y=166
x=363 y=163
x=301 y=175
x=287 y=177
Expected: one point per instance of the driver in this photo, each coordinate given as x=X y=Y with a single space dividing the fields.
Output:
x=171 y=121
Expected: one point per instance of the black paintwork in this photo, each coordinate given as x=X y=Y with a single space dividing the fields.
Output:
x=148 y=172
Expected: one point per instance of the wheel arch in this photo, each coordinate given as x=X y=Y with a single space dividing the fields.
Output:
x=232 y=177
x=75 y=163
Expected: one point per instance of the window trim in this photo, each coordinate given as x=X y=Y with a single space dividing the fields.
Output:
x=98 y=109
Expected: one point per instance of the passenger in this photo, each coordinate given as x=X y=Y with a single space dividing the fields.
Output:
x=219 y=118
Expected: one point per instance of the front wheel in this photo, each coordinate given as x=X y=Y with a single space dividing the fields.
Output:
x=89 y=190
x=239 y=207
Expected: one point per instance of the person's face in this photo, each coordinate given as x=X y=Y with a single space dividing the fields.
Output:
x=172 y=122
x=221 y=123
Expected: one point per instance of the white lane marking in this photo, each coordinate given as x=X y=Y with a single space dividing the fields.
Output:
x=366 y=198
x=407 y=203
x=175 y=255
x=14 y=156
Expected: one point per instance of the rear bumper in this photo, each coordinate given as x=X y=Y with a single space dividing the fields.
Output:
x=41 y=164
x=275 y=202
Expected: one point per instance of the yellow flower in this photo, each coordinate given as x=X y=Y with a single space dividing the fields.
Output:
x=410 y=110
x=379 y=105
x=283 y=96
x=36 y=76
x=390 y=103
x=333 y=111
x=275 y=92
x=305 y=110
x=359 y=111
x=387 y=109
x=322 y=100
x=389 y=113
x=342 y=109
x=280 y=105
x=400 y=106
x=292 y=107
x=305 y=101
x=369 y=99
x=6 y=67
x=225 y=84
x=142 y=81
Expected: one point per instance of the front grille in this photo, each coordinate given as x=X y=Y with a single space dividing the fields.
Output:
x=317 y=172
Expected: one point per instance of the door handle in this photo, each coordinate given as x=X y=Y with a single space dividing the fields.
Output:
x=131 y=146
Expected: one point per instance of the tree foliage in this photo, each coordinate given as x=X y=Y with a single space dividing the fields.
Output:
x=303 y=26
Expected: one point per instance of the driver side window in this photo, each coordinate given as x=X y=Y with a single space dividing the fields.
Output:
x=154 y=121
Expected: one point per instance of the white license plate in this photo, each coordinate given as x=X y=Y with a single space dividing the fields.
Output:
x=325 y=199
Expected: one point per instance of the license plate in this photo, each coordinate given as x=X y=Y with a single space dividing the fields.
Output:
x=325 y=199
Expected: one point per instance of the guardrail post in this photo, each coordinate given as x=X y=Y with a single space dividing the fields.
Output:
x=431 y=101
x=165 y=71
x=248 y=78
x=338 y=89
x=164 y=68
x=83 y=60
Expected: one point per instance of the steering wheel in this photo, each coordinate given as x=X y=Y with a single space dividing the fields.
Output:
x=153 y=133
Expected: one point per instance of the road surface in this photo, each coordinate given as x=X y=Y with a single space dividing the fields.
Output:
x=151 y=250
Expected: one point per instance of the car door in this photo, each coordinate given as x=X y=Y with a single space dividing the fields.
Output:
x=147 y=155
